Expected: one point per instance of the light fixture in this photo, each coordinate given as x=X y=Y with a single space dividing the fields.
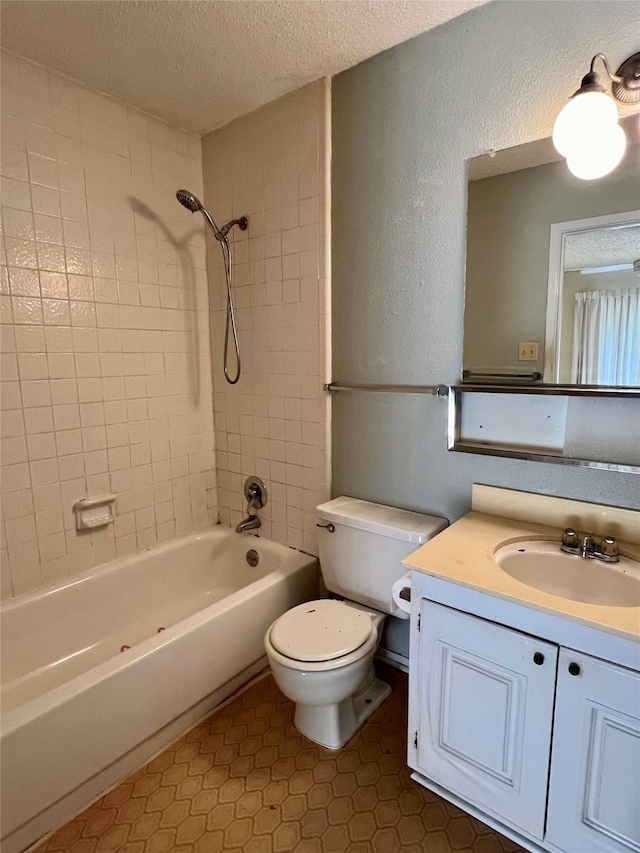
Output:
x=586 y=131
x=610 y=268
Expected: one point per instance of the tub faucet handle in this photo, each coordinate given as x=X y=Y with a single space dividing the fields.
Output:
x=256 y=495
x=255 y=492
x=253 y=498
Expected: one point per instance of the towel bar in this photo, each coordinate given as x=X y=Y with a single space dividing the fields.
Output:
x=433 y=390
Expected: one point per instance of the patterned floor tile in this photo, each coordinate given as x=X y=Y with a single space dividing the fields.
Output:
x=245 y=781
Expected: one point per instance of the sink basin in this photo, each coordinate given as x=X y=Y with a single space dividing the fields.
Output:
x=544 y=566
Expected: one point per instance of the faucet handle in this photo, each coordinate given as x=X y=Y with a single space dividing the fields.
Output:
x=609 y=547
x=255 y=493
x=570 y=538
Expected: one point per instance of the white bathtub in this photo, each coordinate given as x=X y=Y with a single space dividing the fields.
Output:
x=79 y=714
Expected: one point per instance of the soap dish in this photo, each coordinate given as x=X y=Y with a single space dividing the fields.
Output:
x=95 y=512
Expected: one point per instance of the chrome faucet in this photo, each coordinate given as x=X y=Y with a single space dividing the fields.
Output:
x=251 y=522
x=256 y=495
x=585 y=545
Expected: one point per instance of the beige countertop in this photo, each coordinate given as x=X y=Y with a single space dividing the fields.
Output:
x=463 y=554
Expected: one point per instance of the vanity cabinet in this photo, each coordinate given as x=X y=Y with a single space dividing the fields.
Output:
x=540 y=741
x=594 y=801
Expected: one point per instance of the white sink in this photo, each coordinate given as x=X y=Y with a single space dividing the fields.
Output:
x=544 y=566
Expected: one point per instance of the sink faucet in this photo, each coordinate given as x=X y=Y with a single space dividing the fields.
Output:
x=256 y=495
x=587 y=546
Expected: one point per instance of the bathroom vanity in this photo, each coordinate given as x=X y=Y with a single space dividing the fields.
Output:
x=524 y=707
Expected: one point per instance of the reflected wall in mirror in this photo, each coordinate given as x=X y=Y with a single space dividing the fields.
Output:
x=515 y=197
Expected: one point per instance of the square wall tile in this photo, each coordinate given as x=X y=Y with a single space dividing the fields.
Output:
x=277 y=179
x=95 y=295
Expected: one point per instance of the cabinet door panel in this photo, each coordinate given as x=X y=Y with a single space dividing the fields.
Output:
x=595 y=765
x=488 y=741
x=486 y=714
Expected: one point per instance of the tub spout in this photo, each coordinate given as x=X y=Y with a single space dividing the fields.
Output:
x=252 y=522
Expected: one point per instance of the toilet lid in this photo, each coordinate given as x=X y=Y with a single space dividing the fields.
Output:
x=320 y=630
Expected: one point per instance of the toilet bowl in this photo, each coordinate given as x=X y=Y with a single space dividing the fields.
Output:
x=321 y=656
x=321 y=653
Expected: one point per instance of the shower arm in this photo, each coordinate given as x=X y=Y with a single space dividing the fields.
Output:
x=241 y=223
x=221 y=233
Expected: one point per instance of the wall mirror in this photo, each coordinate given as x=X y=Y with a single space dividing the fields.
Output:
x=539 y=243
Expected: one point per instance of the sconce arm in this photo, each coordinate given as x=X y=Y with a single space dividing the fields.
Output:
x=613 y=77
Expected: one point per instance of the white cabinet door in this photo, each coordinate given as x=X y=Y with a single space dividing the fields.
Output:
x=486 y=705
x=594 y=794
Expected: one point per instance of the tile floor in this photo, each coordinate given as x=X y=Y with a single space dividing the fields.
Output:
x=245 y=781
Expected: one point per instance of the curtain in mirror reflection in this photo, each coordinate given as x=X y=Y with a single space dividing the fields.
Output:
x=606 y=338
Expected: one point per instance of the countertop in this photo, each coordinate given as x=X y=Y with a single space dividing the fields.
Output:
x=463 y=554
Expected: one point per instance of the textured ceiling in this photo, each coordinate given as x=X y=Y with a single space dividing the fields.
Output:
x=600 y=248
x=198 y=64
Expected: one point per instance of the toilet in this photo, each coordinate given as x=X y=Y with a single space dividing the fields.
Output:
x=321 y=652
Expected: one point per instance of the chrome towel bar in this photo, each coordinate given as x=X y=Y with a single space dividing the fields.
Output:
x=479 y=375
x=433 y=390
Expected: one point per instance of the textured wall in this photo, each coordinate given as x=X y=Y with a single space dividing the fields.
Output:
x=272 y=166
x=404 y=125
x=106 y=378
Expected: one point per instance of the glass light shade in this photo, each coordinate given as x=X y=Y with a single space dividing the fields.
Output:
x=585 y=114
x=598 y=156
x=587 y=133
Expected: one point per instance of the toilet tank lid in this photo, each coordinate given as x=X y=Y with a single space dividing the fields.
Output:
x=384 y=520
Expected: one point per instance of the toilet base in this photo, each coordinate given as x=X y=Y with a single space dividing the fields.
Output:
x=332 y=726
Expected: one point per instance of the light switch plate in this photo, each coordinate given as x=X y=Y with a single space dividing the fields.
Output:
x=528 y=351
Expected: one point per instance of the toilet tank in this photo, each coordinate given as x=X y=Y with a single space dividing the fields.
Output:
x=362 y=558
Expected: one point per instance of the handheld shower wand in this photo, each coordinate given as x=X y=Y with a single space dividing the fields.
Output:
x=192 y=203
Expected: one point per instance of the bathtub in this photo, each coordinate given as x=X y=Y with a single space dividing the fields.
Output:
x=103 y=671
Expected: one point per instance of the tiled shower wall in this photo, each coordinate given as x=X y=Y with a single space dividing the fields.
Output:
x=106 y=378
x=273 y=167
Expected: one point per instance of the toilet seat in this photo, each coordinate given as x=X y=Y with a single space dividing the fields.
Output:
x=320 y=631
x=288 y=660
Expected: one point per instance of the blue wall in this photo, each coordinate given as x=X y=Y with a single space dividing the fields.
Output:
x=404 y=125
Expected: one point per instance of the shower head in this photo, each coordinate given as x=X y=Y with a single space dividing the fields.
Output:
x=189 y=201
x=194 y=204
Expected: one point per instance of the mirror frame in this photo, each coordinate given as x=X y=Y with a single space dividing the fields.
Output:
x=559 y=232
